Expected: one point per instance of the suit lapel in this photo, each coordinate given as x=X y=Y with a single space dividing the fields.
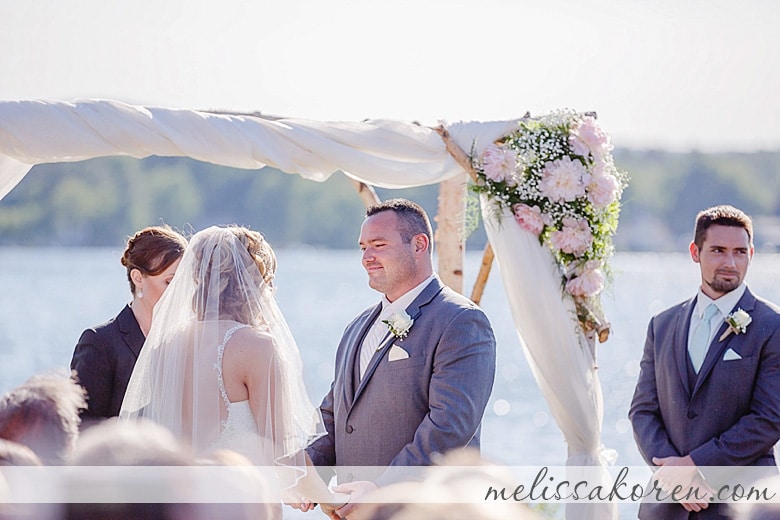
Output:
x=414 y=310
x=681 y=342
x=426 y=296
x=131 y=331
x=717 y=347
x=352 y=356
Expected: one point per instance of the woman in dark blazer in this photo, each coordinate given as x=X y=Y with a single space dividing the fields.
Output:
x=106 y=354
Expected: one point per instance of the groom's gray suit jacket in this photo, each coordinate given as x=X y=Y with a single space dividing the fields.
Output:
x=727 y=416
x=404 y=411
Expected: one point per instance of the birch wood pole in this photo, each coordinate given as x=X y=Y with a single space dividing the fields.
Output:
x=487 y=257
x=367 y=193
x=449 y=231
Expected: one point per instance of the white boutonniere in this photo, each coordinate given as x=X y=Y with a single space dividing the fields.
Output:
x=399 y=324
x=738 y=322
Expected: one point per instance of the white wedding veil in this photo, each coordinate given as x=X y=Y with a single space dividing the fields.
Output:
x=224 y=283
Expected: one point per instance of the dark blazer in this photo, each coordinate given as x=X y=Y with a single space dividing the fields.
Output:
x=727 y=416
x=404 y=411
x=104 y=359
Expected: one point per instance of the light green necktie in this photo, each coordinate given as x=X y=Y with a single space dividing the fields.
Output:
x=700 y=341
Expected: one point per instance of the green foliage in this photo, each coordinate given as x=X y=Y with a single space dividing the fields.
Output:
x=548 y=510
x=102 y=201
x=666 y=190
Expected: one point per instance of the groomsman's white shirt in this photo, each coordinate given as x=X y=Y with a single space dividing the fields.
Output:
x=724 y=304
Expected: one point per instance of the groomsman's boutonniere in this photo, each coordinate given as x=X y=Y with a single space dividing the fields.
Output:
x=738 y=322
x=399 y=324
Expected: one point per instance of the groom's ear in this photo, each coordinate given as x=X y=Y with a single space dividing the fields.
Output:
x=694 y=252
x=420 y=243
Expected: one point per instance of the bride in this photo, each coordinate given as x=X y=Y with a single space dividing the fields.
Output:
x=220 y=367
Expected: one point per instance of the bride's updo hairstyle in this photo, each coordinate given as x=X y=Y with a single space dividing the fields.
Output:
x=240 y=252
x=260 y=250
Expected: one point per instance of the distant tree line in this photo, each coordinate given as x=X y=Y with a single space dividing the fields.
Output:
x=101 y=201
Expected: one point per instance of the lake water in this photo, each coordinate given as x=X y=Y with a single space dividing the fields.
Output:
x=49 y=295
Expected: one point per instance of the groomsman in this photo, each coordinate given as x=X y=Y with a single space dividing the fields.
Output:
x=413 y=373
x=708 y=392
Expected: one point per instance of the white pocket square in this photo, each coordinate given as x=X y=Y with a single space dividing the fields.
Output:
x=397 y=353
x=731 y=355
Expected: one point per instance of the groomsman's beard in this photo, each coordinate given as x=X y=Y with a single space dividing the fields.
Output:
x=722 y=286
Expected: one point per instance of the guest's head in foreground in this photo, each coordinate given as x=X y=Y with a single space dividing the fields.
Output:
x=133 y=491
x=440 y=495
x=43 y=414
x=15 y=454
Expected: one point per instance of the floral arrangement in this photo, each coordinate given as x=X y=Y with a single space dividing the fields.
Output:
x=399 y=324
x=556 y=175
x=738 y=322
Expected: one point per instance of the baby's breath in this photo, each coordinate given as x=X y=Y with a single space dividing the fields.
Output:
x=570 y=142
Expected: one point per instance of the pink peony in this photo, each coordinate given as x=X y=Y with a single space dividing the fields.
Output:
x=574 y=238
x=589 y=283
x=588 y=137
x=529 y=218
x=563 y=180
x=603 y=188
x=498 y=163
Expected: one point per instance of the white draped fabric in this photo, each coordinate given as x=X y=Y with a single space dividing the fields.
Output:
x=383 y=153
x=556 y=348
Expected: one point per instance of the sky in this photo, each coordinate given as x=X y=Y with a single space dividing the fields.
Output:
x=670 y=74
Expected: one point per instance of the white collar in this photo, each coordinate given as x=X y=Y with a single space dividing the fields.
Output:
x=405 y=299
x=725 y=303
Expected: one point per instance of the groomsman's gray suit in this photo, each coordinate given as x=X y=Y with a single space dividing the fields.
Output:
x=404 y=411
x=727 y=416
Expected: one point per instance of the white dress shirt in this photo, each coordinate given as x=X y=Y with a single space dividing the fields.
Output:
x=379 y=331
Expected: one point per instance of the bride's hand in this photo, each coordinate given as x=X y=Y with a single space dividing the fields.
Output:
x=297 y=501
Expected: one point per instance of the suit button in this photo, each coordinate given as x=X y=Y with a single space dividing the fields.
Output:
x=692 y=415
x=349 y=428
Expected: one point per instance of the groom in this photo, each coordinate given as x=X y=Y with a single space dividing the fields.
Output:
x=708 y=392
x=413 y=373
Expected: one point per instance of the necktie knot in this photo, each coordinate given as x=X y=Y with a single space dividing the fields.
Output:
x=709 y=312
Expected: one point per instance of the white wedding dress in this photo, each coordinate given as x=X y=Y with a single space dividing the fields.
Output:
x=177 y=382
x=240 y=425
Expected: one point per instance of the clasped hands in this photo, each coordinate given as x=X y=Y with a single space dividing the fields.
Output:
x=343 y=502
x=680 y=477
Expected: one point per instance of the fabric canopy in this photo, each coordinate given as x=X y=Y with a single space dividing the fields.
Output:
x=385 y=153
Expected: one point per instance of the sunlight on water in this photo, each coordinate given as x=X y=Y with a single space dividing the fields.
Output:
x=50 y=295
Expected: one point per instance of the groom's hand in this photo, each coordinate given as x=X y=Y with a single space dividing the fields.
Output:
x=355 y=490
x=302 y=504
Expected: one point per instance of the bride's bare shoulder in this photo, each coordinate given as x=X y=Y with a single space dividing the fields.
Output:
x=251 y=341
